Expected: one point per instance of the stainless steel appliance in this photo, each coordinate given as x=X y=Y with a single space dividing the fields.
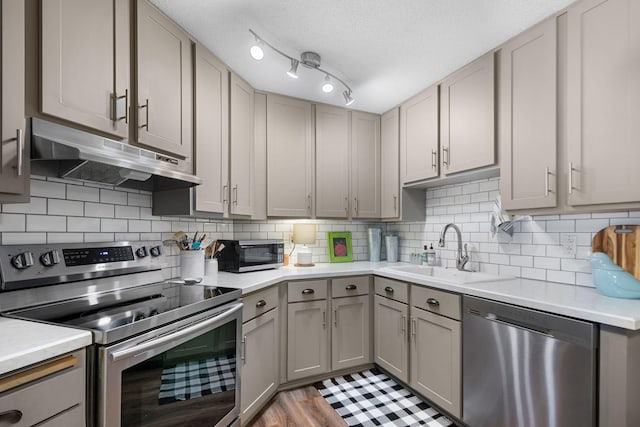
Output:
x=239 y=256
x=526 y=368
x=164 y=353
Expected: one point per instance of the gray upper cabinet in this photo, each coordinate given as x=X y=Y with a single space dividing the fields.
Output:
x=527 y=118
x=211 y=131
x=163 y=102
x=332 y=161
x=365 y=164
x=467 y=120
x=241 y=149
x=390 y=166
x=290 y=157
x=419 y=137
x=603 y=102
x=14 y=152
x=85 y=60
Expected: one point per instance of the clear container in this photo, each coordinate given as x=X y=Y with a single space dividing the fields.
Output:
x=375 y=237
x=391 y=243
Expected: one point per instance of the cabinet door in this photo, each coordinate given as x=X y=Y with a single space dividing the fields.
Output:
x=528 y=133
x=350 y=340
x=435 y=359
x=603 y=97
x=164 y=78
x=307 y=339
x=14 y=153
x=391 y=345
x=468 y=117
x=241 y=149
x=365 y=164
x=259 y=379
x=290 y=157
x=85 y=63
x=419 y=136
x=332 y=161
x=390 y=166
x=211 y=131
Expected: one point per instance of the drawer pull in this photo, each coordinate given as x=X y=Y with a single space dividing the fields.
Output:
x=388 y=289
x=351 y=287
x=308 y=292
x=434 y=302
x=261 y=303
x=11 y=417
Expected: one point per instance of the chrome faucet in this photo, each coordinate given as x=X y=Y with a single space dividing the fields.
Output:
x=461 y=260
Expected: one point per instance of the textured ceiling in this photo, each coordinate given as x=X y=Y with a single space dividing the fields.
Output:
x=386 y=50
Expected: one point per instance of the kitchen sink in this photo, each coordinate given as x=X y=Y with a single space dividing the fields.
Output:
x=448 y=274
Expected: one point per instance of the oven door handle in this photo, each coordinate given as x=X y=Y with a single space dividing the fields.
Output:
x=141 y=348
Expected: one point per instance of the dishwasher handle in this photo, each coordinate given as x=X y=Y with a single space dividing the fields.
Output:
x=517 y=324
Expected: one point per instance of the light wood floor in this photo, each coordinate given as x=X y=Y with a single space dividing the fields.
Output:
x=302 y=407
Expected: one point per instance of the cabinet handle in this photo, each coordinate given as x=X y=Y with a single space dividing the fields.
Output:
x=413 y=328
x=235 y=194
x=12 y=417
x=116 y=99
x=308 y=292
x=346 y=205
x=225 y=189
x=395 y=203
x=324 y=319
x=19 y=151
x=355 y=199
x=403 y=324
x=146 y=106
x=571 y=169
x=309 y=203
x=261 y=303
x=434 y=159
x=244 y=348
x=433 y=302
x=335 y=317
x=351 y=287
x=388 y=289
x=547 y=188
x=445 y=159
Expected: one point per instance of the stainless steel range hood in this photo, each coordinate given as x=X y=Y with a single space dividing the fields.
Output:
x=64 y=152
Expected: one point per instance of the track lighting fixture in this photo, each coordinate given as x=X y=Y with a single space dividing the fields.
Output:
x=308 y=59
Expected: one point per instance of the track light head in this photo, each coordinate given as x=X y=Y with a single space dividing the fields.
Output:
x=348 y=99
x=257 y=49
x=293 y=71
x=327 y=87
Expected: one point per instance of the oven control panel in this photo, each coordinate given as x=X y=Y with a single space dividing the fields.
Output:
x=27 y=266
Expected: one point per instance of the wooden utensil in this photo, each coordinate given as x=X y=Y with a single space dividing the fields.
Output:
x=621 y=243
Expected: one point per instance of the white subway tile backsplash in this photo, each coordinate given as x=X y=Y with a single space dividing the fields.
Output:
x=65 y=237
x=113 y=225
x=83 y=224
x=139 y=226
x=65 y=207
x=48 y=189
x=46 y=223
x=112 y=196
x=127 y=212
x=36 y=205
x=80 y=192
x=141 y=200
x=98 y=237
x=9 y=238
x=567 y=277
x=591 y=225
x=99 y=210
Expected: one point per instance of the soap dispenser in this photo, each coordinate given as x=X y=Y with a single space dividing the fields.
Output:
x=431 y=255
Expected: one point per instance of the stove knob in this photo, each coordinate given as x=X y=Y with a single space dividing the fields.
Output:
x=156 y=251
x=141 y=252
x=23 y=260
x=154 y=312
x=139 y=316
x=51 y=258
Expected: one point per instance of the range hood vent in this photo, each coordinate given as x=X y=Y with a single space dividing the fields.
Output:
x=64 y=152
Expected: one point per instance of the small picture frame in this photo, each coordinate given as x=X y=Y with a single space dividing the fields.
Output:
x=340 y=246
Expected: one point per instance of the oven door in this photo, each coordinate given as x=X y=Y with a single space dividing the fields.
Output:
x=183 y=374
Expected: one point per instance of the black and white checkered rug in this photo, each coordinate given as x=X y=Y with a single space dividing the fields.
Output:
x=371 y=398
x=197 y=378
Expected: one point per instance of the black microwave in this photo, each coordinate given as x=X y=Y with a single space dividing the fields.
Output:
x=239 y=256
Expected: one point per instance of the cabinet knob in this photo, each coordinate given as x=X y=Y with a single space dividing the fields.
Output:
x=388 y=289
x=308 y=292
x=434 y=302
x=11 y=417
x=261 y=303
x=351 y=287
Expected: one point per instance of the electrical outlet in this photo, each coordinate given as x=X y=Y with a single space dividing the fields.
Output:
x=569 y=243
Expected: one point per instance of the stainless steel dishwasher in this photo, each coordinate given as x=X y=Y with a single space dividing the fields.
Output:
x=525 y=368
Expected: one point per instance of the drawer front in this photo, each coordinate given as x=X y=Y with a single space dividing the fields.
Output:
x=42 y=399
x=306 y=290
x=259 y=302
x=393 y=289
x=350 y=286
x=444 y=303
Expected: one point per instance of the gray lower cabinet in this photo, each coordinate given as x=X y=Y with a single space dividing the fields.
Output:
x=50 y=394
x=308 y=339
x=436 y=347
x=259 y=362
x=391 y=346
x=350 y=340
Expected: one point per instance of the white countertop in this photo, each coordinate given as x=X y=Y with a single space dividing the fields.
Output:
x=568 y=300
x=25 y=343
